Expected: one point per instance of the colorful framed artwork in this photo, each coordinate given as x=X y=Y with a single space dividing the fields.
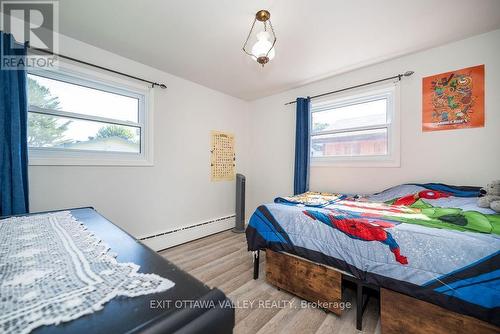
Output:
x=453 y=100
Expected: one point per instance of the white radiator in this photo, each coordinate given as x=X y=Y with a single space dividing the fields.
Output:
x=163 y=240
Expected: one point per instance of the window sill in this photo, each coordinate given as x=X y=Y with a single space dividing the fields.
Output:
x=95 y=159
x=356 y=163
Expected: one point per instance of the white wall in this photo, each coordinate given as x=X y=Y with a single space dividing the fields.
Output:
x=177 y=190
x=462 y=157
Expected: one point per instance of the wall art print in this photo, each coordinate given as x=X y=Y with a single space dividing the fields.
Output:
x=223 y=157
x=453 y=100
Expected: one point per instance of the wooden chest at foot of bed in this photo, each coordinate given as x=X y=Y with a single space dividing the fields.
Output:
x=403 y=314
x=308 y=280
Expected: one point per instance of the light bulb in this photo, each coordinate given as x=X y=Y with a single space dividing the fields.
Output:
x=262 y=46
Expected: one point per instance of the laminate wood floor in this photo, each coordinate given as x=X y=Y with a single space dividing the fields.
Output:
x=222 y=260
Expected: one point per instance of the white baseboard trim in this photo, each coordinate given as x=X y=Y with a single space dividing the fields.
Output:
x=184 y=234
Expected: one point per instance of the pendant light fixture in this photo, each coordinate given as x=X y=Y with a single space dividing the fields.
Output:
x=263 y=50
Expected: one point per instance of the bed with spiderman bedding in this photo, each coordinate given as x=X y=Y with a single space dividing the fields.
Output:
x=427 y=241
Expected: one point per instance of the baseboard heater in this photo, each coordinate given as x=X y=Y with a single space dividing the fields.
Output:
x=170 y=238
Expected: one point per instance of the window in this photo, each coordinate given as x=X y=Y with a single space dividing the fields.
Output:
x=356 y=130
x=75 y=119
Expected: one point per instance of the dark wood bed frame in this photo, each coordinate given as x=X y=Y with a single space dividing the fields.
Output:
x=399 y=313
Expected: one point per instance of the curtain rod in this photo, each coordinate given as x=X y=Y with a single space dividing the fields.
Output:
x=153 y=84
x=399 y=77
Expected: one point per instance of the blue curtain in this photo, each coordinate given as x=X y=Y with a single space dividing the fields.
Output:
x=13 y=132
x=302 y=149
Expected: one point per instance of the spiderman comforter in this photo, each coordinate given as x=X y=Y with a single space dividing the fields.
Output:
x=428 y=241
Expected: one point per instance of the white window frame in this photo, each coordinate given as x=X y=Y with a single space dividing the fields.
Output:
x=45 y=156
x=392 y=158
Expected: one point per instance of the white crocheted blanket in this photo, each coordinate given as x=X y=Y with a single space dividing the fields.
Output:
x=52 y=269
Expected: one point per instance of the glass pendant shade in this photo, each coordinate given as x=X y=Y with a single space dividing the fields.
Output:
x=263 y=45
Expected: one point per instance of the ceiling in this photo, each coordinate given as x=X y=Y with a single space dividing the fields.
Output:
x=201 y=40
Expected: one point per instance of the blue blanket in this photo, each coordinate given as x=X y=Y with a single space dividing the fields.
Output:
x=428 y=241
